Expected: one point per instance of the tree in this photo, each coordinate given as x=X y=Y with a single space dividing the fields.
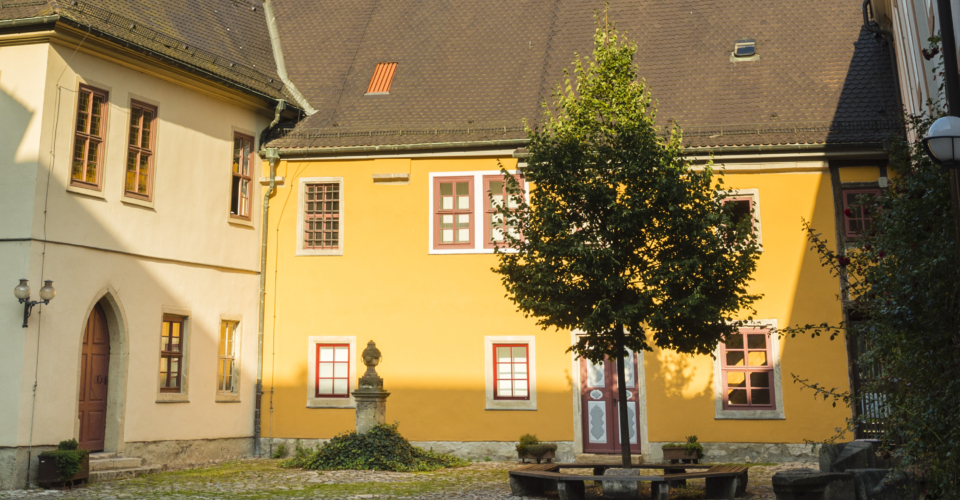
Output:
x=621 y=239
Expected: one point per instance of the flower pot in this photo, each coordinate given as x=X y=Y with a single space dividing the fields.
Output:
x=548 y=456
x=678 y=454
x=48 y=474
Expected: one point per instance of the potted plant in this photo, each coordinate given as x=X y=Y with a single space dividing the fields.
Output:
x=530 y=448
x=64 y=466
x=689 y=452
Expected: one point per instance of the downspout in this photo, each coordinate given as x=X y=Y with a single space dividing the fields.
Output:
x=271 y=155
x=278 y=59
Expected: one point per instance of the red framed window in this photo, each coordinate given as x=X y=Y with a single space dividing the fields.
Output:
x=857 y=217
x=333 y=371
x=511 y=371
x=453 y=212
x=87 y=164
x=747 y=371
x=496 y=194
x=172 y=337
x=139 y=181
x=240 y=188
x=321 y=216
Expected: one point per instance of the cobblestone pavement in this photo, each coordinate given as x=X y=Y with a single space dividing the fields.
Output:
x=263 y=479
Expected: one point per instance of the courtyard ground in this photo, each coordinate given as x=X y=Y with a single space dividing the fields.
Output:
x=263 y=479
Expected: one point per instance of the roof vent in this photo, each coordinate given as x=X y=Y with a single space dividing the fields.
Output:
x=382 y=78
x=745 y=47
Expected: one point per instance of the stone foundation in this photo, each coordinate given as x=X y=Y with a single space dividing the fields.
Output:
x=748 y=452
x=13 y=466
x=189 y=453
x=500 y=451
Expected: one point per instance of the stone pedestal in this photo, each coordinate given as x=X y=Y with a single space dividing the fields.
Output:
x=623 y=490
x=371 y=408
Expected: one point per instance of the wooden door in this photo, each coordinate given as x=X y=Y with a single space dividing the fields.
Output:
x=94 y=365
x=598 y=405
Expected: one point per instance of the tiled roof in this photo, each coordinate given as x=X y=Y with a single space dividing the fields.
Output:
x=473 y=71
x=227 y=39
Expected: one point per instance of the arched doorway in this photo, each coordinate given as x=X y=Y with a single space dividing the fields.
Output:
x=94 y=368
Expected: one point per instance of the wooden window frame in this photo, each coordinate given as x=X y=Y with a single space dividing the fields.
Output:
x=334 y=378
x=87 y=136
x=844 y=192
x=489 y=210
x=438 y=212
x=746 y=369
x=748 y=199
x=169 y=354
x=324 y=216
x=248 y=202
x=138 y=150
x=496 y=371
x=223 y=356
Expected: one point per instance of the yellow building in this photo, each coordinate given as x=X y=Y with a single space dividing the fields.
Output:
x=377 y=228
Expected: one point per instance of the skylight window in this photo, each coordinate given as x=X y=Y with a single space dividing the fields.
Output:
x=745 y=47
x=382 y=78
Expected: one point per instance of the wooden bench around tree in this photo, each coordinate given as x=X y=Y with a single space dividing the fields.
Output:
x=722 y=481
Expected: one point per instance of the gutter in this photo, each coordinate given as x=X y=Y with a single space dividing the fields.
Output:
x=272 y=156
x=853 y=147
x=302 y=152
x=278 y=59
x=29 y=21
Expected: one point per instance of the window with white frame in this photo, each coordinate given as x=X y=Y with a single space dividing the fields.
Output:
x=320 y=216
x=228 y=362
x=464 y=211
x=510 y=368
x=747 y=374
x=332 y=371
x=746 y=203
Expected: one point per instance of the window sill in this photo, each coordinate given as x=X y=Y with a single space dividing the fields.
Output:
x=227 y=398
x=455 y=251
x=173 y=397
x=138 y=202
x=236 y=221
x=750 y=415
x=497 y=405
x=305 y=253
x=93 y=193
x=344 y=403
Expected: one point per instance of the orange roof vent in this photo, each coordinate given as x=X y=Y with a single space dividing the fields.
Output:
x=382 y=78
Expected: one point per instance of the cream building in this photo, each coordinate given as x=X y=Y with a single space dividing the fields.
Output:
x=129 y=177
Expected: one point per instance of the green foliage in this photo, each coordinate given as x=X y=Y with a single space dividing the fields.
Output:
x=279 y=452
x=380 y=448
x=619 y=232
x=528 y=439
x=692 y=447
x=532 y=447
x=68 y=456
x=900 y=282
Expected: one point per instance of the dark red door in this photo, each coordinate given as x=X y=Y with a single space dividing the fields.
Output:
x=598 y=406
x=94 y=365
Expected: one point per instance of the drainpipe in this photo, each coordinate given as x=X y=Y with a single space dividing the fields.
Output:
x=278 y=59
x=271 y=155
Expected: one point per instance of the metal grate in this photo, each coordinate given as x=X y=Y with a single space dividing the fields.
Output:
x=321 y=216
x=870 y=407
x=382 y=78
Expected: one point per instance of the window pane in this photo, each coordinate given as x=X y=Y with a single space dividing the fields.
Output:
x=446 y=236
x=82 y=103
x=142 y=175
x=145 y=136
x=326 y=354
x=496 y=194
x=223 y=338
x=446 y=189
x=175 y=330
x=519 y=354
x=736 y=379
x=134 y=127
x=737 y=396
x=325 y=370
x=503 y=370
x=325 y=386
x=341 y=354
x=504 y=389
x=757 y=341
x=520 y=370
x=760 y=379
x=340 y=370
x=735 y=358
x=463 y=235
x=131 y=180
x=503 y=355
x=78 y=149
x=758 y=358
x=734 y=341
x=95 y=115
x=340 y=386
x=760 y=397
x=93 y=155
x=520 y=388
x=463 y=220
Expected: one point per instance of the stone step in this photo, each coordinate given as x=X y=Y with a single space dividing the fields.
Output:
x=113 y=475
x=599 y=458
x=102 y=454
x=107 y=464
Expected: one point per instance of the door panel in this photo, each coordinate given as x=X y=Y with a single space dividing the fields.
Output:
x=94 y=367
x=599 y=398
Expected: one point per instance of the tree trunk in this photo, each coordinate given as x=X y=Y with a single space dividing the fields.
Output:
x=622 y=397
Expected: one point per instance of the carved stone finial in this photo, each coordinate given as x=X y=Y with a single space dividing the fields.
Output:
x=371 y=357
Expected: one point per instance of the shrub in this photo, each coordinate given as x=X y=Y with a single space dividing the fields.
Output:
x=532 y=447
x=691 y=446
x=380 y=448
x=68 y=456
x=280 y=451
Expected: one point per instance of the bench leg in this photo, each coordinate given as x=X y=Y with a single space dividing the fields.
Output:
x=659 y=490
x=550 y=485
x=572 y=490
x=722 y=487
x=526 y=486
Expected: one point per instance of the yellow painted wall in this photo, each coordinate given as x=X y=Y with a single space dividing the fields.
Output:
x=429 y=314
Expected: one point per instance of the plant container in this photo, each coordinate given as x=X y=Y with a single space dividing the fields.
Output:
x=48 y=474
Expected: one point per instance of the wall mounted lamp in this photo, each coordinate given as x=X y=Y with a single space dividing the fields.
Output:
x=942 y=143
x=22 y=292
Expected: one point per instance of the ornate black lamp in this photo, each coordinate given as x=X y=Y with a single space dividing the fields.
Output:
x=22 y=293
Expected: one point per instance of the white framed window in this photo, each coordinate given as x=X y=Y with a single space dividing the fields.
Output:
x=228 y=359
x=332 y=371
x=320 y=216
x=747 y=200
x=510 y=372
x=461 y=217
x=746 y=374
